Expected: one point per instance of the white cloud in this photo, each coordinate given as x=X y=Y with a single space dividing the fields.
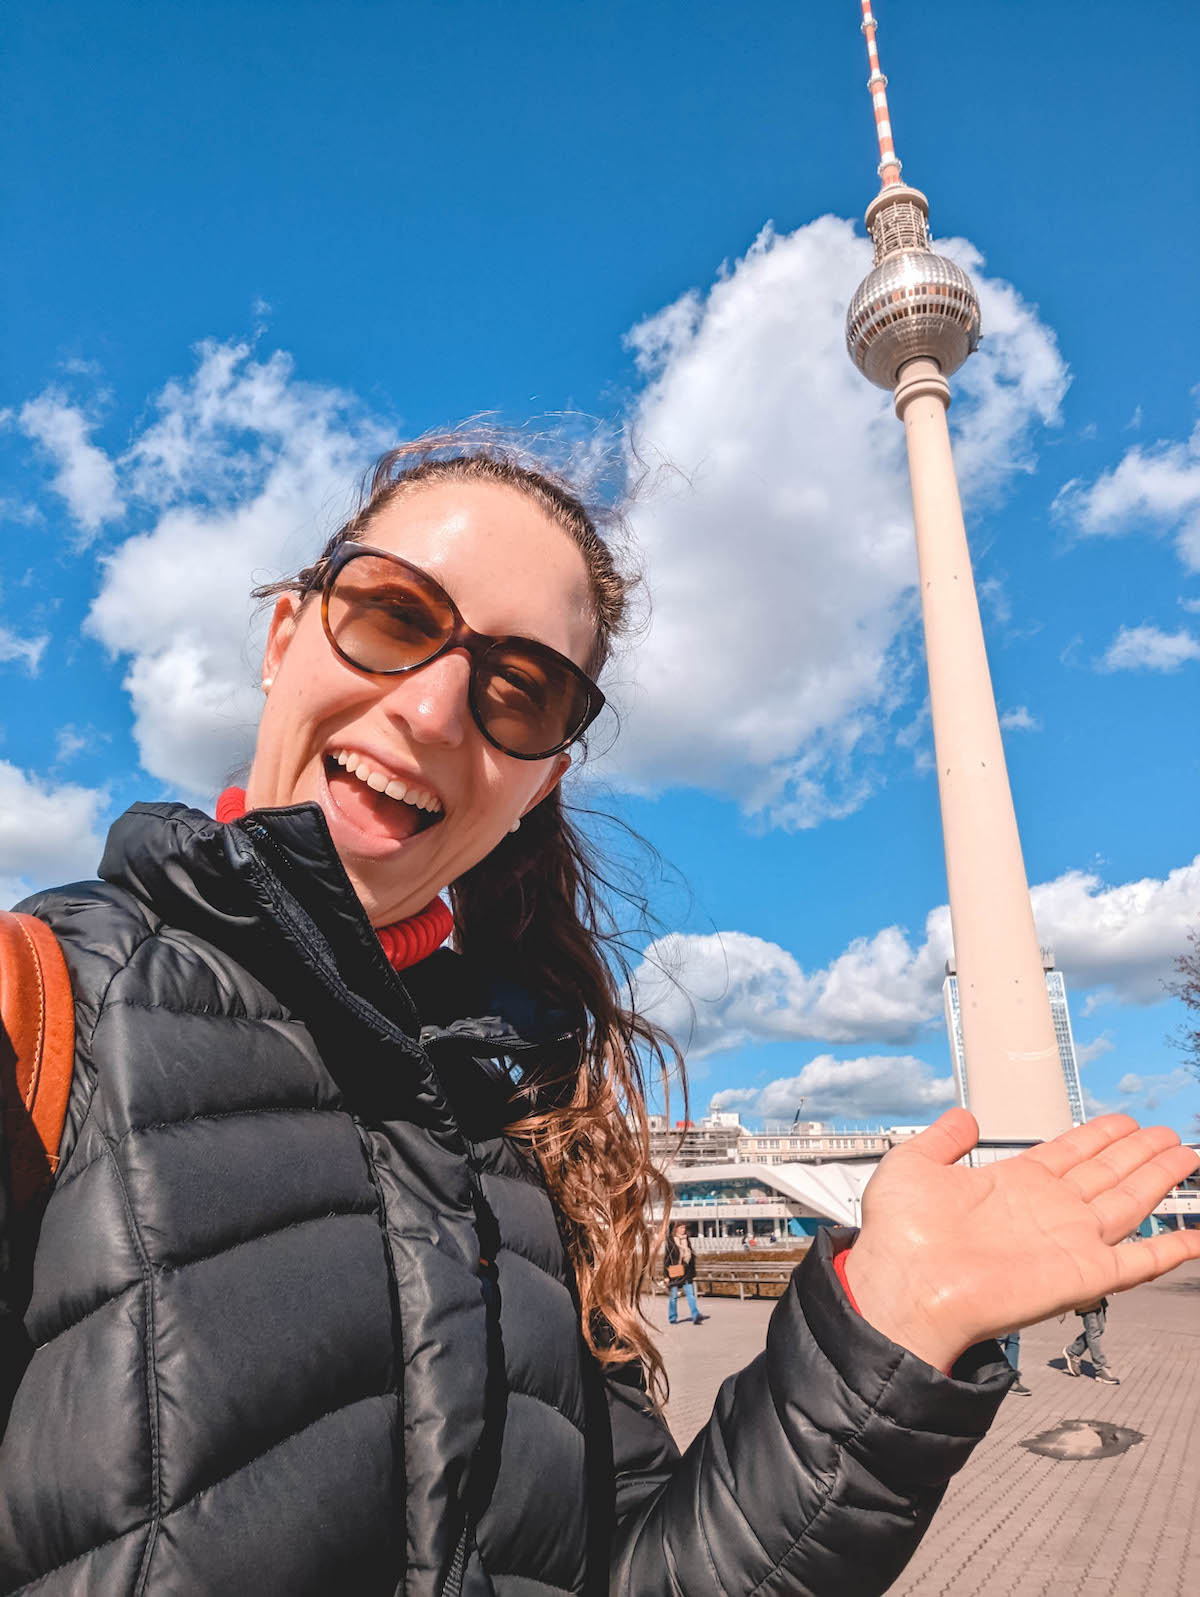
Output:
x=994 y=599
x=1147 y=1092
x=1122 y=938
x=243 y=470
x=879 y=1086
x=1148 y=648
x=723 y=990
x=85 y=477
x=1020 y=720
x=719 y=991
x=782 y=562
x=1156 y=489
x=70 y=741
x=27 y=650
x=16 y=510
x=1085 y=1053
x=48 y=833
x=1192 y=606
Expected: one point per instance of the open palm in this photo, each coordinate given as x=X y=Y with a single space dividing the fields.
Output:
x=949 y=1254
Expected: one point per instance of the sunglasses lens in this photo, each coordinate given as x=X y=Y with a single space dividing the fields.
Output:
x=529 y=702
x=383 y=618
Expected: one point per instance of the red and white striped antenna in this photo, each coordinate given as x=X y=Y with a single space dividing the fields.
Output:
x=889 y=161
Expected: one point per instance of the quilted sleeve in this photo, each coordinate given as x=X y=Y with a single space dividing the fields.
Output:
x=15 y=1347
x=819 y=1470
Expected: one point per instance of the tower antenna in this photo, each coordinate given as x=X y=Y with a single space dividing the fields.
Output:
x=889 y=161
x=913 y=321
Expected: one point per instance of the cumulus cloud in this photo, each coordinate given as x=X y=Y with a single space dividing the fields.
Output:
x=1154 y=489
x=84 y=476
x=746 y=388
x=1019 y=719
x=1148 y=648
x=781 y=560
x=729 y=988
x=48 y=833
x=241 y=470
x=888 y=1086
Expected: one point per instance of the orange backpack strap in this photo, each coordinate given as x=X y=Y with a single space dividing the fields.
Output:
x=37 y=1050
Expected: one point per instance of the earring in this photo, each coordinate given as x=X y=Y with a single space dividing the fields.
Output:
x=516 y=825
x=267 y=683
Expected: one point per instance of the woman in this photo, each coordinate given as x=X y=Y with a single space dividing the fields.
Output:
x=679 y=1266
x=336 y=1290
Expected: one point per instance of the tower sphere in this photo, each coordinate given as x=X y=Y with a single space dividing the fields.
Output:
x=913 y=304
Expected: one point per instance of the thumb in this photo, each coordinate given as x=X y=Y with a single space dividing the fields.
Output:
x=949 y=1137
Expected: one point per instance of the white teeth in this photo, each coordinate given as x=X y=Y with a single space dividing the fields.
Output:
x=357 y=766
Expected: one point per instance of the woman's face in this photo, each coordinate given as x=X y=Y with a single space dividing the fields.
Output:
x=510 y=569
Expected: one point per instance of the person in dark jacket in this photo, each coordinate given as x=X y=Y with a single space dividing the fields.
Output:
x=337 y=1286
x=679 y=1268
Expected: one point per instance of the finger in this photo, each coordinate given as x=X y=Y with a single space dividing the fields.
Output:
x=1123 y=1209
x=1138 y=1262
x=949 y=1139
x=1119 y=1160
x=1084 y=1142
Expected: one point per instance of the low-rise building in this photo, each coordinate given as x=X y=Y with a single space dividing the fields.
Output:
x=721 y=1136
x=687 y=1142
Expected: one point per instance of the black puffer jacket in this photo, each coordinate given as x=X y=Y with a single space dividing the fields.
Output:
x=302 y=1322
x=672 y=1254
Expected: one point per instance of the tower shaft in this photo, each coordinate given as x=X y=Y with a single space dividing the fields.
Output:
x=1015 y=1081
x=912 y=322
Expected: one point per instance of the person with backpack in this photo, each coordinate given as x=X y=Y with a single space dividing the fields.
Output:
x=327 y=1277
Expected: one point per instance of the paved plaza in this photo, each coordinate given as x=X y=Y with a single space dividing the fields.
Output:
x=1013 y=1523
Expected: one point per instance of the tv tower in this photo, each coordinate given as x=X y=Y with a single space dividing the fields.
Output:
x=913 y=321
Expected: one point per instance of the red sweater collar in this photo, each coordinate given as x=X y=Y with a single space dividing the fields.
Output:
x=407 y=941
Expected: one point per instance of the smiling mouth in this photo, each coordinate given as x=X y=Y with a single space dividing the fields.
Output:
x=379 y=806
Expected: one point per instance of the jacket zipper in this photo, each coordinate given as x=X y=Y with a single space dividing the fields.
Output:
x=458 y=1564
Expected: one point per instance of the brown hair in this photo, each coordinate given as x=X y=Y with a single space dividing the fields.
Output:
x=539 y=907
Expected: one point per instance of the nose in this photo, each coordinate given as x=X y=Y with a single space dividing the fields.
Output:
x=432 y=701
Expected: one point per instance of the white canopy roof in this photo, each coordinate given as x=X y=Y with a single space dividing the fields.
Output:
x=830 y=1190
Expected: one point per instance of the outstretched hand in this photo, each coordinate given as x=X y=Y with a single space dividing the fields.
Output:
x=948 y=1254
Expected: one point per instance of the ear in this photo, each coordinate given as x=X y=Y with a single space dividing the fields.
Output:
x=280 y=632
x=559 y=768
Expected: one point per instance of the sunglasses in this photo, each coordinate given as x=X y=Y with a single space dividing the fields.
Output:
x=385 y=616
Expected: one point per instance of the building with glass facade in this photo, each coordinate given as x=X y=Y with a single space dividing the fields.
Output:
x=1056 y=989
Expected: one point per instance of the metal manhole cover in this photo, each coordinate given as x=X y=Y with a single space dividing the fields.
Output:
x=1076 y=1439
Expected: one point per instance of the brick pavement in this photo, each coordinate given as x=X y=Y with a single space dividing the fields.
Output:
x=1014 y=1524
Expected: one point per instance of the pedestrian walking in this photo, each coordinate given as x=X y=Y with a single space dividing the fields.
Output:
x=1095 y=1319
x=336 y=1287
x=679 y=1266
x=1010 y=1346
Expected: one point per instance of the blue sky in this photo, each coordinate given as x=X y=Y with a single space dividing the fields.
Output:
x=248 y=245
